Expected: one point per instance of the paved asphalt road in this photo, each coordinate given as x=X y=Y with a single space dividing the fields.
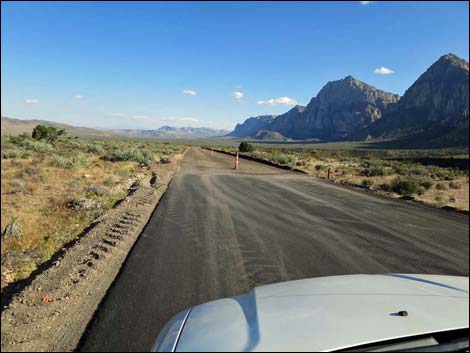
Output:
x=219 y=232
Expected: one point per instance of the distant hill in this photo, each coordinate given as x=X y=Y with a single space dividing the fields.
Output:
x=17 y=126
x=14 y=127
x=264 y=135
x=170 y=132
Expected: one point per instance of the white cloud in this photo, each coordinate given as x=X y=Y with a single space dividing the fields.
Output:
x=78 y=96
x=190 y=92
x=279 y=101
x=193 y=120
x=140 y=117
x=383 y=71
x=31 y=101
x=365 y=2
x=181 y=119
x=238 y=95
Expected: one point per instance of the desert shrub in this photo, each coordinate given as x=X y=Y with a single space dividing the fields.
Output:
x=36 y=146
x=367 y=183
x=427 y=184
x=441 y=199
x=406 y=186
x=385 y=187
x=440 y=186
x=95 y=149
x=74 y=162
x=130 y=154
x=282 y=158
x=374 y=171
x=14 y=152
x=319 y=167
x=93 y=190
x=454 y=185
x=246 y=147
x=417 y=171
x=258 y=154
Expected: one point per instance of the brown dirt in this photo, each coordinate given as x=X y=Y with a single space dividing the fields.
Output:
x=53 y=310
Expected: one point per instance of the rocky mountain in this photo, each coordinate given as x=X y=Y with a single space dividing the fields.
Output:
x=288 y=124
x=435 y=107
x=340 y=108
x=433 y=112
x=252 y=125
x=343 y=107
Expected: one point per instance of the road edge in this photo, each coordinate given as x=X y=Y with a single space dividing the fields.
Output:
x=53 y=312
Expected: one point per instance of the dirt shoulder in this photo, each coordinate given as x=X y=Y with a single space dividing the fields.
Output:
x=52 y=312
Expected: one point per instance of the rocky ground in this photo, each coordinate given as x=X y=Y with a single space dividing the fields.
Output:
x=52 y=311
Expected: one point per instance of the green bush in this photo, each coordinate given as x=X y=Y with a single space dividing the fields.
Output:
x=454 y=185
x=319 y=167
x=48 y=133
x=440 y=187
x=367 y=183
x=246 y=147
x=406 y=186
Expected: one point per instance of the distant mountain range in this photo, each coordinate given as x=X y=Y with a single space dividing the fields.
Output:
x=432 y=113
x=170 y=132
x=17 y=126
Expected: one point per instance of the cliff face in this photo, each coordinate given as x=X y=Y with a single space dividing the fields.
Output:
x=438 y=100
x=342 y=107
x=288 y=124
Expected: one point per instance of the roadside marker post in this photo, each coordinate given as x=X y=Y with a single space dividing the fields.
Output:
x=236 y=161
x=328 y=173
x=212 y=151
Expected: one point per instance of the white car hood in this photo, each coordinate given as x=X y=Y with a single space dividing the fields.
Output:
x=328 y=313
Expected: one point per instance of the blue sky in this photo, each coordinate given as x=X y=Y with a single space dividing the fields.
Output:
x=147 y=64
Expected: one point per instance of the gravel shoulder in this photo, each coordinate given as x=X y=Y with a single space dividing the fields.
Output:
x=53 y=311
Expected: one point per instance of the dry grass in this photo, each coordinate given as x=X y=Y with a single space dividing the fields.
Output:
x=37 y=188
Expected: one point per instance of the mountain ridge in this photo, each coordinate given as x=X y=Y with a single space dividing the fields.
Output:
x=349 y=109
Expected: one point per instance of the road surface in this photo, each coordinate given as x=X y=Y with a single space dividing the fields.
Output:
x=219 y=232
